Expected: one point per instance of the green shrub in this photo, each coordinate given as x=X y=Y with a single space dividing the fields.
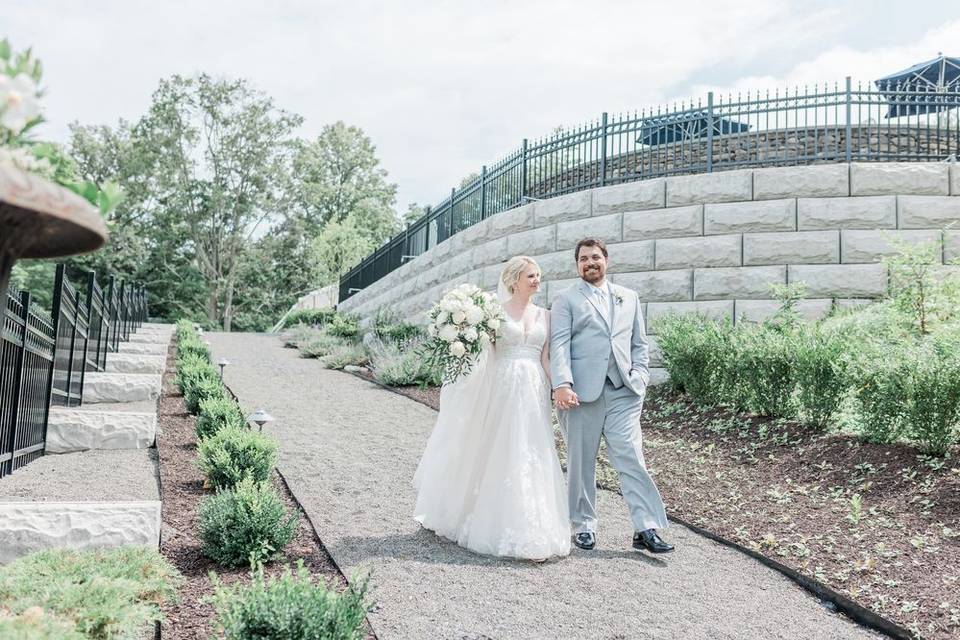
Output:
x=932 y=413
x=320 y=345
x=390 y=328
x=298 y=335
x=290 y=606
x=397 y=368
x=343 y=326
x=190 y=348
x=216 y=414
x=106 y=593
x=759 y=370
x=190 y=370
x=233 y=453
x=37 y=624
x=183 y=326
x=309 y=317
x=350 y=354
x=694 y=348
x=207 y=386
x=247 y=524
x=820 y=370
x=403 y=334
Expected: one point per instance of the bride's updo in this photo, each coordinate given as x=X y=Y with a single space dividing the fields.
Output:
x=512 y=270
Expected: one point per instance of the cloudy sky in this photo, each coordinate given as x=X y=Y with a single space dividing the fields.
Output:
x=445 y=87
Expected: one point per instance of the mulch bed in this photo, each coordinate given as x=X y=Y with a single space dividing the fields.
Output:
x=192 y=617
x=879 y=524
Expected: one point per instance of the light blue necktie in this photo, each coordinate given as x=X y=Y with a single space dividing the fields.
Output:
x=602 y=303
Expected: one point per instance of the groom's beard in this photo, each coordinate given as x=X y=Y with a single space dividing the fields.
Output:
x=592 y=275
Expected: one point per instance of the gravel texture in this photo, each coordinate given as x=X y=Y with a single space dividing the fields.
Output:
x=85 y=476
x=349 y=449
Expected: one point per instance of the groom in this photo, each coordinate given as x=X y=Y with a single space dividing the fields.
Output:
x=598 y=363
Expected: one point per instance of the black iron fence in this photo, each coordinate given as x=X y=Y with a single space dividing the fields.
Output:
x=842 y=123
x=45 y=357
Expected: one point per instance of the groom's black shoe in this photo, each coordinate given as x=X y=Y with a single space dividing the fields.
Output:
x=650 y=541
x=585 y=540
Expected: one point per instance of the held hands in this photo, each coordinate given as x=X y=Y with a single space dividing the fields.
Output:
x=565 y=398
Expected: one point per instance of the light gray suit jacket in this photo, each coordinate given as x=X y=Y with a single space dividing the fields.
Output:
x=581 y=341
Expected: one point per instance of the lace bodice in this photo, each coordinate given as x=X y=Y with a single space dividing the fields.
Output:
x=514 y=342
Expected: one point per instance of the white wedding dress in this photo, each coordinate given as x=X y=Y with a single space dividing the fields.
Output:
x=490 y=479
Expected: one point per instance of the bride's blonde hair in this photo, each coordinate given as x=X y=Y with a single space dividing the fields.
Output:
x=512 y=270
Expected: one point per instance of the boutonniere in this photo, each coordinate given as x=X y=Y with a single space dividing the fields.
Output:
x=618 y=298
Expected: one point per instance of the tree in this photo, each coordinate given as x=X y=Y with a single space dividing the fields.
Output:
x=414 y=213
x=340 y=246
x=218 y=153
x=338 y=176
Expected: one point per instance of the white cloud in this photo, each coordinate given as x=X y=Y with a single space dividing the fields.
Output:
x=443 y=87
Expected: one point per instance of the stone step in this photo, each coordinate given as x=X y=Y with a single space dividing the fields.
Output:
x=120 y=387
x=149 y=338
x=26 y=527
x=135 y=363
x=143 y=348
x=157 y=325
x=78 y=429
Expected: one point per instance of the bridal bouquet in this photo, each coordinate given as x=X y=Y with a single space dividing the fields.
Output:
x=463 y=323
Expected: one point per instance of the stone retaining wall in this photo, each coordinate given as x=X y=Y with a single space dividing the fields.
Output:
x=711 y=243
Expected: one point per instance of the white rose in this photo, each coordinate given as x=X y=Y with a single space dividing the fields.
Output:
x=493 y=323
x=448 y=333
x=470 y=335
x=458 y=317
x=474 y=315
x=442 y=318
x=18 y=101
x=484 y=340
x=457 y=349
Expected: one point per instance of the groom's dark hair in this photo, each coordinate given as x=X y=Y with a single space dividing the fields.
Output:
x=590 y=242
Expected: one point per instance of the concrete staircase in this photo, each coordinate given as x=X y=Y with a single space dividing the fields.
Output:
x=102 y=490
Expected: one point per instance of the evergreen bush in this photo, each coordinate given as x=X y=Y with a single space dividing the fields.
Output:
x=233 y=453
x=245 y=524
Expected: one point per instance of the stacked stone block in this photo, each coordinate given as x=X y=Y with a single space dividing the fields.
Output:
x=708 y=243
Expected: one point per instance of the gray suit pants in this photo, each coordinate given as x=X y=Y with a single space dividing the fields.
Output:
x=615 y=415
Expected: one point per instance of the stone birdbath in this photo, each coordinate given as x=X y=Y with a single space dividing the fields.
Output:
x=40 y=219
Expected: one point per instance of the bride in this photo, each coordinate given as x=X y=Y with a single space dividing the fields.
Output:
x=490 y=479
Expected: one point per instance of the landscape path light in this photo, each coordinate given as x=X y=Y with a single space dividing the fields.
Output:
x=260 y=417
x=223 y=362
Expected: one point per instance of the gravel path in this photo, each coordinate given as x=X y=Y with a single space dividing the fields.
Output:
x=85 y=476
x=349 y=449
